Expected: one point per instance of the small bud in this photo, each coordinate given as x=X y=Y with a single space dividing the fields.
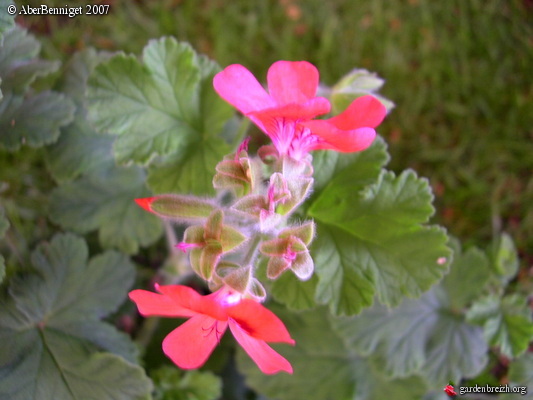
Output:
x=276 y=266
x=299 y=189
x=256 y=290
x=238 y=279
x=184 y=208
x=230 y=238
x=305 y=232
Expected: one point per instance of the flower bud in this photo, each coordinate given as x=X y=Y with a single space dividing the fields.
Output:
x=178 y=207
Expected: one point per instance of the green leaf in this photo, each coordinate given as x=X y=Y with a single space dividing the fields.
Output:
x=359 y=169
x=373 y=241
x=79 y=150
x=294 y=293
x=105 y=201
x=174 y=384
x=190 y=170
x=324 y=368
x=76 y=74
x=504 y=258
x=521 y=377
x=35 y=120
x=507 y=322
x=4 y=225
x=468 y=277
x=156 y=106
x=420 y=336
x=357 y=83
x=19 y=66
x=7 y=20
x=50 y=354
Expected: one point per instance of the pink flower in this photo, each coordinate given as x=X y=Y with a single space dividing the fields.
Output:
x=190 y=345
x=286 y=113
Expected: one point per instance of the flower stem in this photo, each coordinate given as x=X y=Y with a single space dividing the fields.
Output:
x=252 y=250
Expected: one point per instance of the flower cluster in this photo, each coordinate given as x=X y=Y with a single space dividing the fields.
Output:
x=225 y=240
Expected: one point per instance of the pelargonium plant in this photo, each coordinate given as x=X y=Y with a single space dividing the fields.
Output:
x=227 y=237
x=321 y=262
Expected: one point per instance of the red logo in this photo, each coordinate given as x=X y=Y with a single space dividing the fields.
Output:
x=450 y=391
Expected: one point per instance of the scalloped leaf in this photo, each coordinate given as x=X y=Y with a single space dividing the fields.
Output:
x=157 y=106
x=420 y=336
x=373 y=242
x=105 y=201
x=507 y=322
x=51 y=321
x=324 y=368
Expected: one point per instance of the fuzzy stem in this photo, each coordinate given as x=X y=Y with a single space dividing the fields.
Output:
x=252 y=250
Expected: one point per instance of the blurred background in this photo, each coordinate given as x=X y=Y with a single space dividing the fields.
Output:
x=459 y=71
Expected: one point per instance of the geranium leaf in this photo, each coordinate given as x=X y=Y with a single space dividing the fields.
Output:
x=506 y=321
x=105 y=201
x=373 y=241
x=47 y=360
x=190 y=170
x=521 y=377
x=7 y=20
x=469 y=274
x=420 y=336
x=174 y=384
x=504 y=258
x=34 y=120
x=79 y=150
x=4 y=225
x=358 y=169
x=294 y=293
x=324 y=368
x=19 y=66
x=156 y=106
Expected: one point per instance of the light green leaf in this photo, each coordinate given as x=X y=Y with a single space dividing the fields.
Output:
x=105 y=201
x=35 y=120
x=373 y=241
x=294 y=293
x=357 y=83
x=468 y=277
x=7 y=20
x=420 y=336
x=19 y=66
x=174 y=384
x=48 y=353
x=324 y=368
x=507 y=322
x=358 y=169
x=156 y=106
x=521 y=377
x=504 y=258
x=190 y=170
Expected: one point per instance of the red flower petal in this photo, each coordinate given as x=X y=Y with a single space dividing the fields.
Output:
x=294 y=112
x=145 y=203
x=190 y=299
x=238 y=86
x=292 y=82
x=190 y=345
x=150 y=303
x=268 y=361
x=365 y=111
x=259 y=322
x=336 y=139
